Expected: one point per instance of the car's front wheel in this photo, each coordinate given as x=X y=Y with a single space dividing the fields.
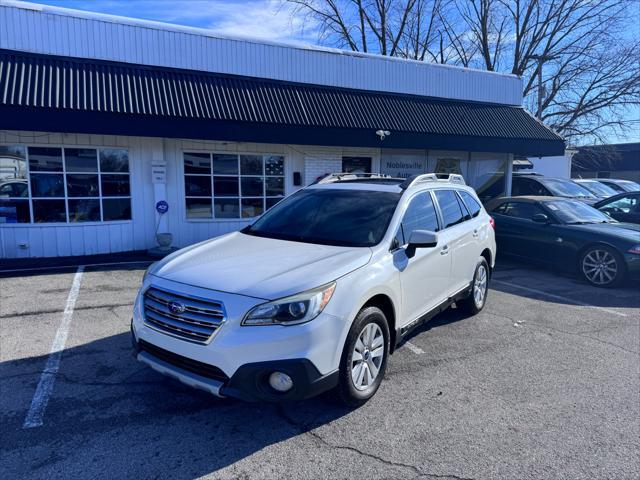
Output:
x=602 y=266
x=364 y=357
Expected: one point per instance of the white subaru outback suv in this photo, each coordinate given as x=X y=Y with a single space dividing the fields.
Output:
x=318 y=291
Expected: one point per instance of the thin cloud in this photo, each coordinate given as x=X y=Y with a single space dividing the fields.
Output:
x=268 y=19
x=264 y=19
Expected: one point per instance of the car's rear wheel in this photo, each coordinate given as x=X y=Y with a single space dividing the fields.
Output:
x=364 y=357
x=477 y=298
x=602 y=266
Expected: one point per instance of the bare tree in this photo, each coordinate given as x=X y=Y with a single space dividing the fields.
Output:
x=584 y=49
x=404 y=28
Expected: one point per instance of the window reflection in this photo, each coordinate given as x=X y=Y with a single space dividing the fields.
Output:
x=489 y=179
x=243 y=184
x=14 y=186
x=53 y=184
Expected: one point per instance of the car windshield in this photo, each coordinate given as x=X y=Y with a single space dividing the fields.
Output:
x=598 y=188
x=566 y=188
x=329 y=216
x=629 y=186
x=573 y=212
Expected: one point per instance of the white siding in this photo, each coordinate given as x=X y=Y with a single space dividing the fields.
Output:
x=559 y=166
x=57 y=31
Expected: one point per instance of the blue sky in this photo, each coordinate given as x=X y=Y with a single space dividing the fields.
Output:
x=268 y=19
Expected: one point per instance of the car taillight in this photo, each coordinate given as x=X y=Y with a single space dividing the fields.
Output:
x=492 y=222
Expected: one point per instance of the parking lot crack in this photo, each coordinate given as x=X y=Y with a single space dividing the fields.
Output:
x=305 y=428
x=583 y=335
x=29 y=313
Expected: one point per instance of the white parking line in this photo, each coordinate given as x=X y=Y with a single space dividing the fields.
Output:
x=572 y=302
x=48 y=377
x=413 y=348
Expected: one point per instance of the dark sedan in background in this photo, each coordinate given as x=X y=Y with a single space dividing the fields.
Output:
x=568 y=234
x=624 y=207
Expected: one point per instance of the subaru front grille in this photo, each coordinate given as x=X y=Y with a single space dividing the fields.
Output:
x=190 y=318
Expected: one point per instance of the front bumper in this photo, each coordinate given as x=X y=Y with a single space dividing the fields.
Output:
x=248 y=383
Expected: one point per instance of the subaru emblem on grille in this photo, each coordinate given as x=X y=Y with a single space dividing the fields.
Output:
x=176 y=307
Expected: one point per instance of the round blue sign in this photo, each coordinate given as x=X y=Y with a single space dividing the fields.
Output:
x=162 y=207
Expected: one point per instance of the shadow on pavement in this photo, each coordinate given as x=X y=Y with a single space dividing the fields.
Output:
x=560 y=287
x=108 y=413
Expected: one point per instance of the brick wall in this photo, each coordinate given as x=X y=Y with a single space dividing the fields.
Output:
x=319 y=165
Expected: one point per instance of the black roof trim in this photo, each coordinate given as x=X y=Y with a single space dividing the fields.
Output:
x=42 y=92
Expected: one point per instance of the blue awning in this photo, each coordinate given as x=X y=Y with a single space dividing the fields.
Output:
x=63 y=94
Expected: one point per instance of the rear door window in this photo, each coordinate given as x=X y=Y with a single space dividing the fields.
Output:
x=472 y=204
x=452 y=213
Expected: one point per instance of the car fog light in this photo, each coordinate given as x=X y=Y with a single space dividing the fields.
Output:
x=280 y=382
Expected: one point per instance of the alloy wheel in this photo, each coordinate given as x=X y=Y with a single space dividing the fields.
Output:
x=480 y=286
x=600 y=267
x=367 y=356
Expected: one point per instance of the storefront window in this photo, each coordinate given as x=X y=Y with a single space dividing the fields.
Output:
x=55 y=184
x=489 y=180
x=356 y=164
x=222 y=185
x=448 y=165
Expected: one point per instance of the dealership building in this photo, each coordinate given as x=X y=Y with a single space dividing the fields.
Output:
x=114 y=129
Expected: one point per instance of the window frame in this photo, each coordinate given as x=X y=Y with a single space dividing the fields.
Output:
x=471 y=215
x=393 y=247
x=239 y=176
x=62 y=146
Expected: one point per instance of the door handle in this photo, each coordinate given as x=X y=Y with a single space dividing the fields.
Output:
x=445 y=250
x=475 y=233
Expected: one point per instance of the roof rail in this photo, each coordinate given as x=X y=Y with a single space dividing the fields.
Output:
x=337 y=177
x=432 y=177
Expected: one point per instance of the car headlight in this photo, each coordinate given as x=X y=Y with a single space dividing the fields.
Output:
x=635 y=249
x=294 y=310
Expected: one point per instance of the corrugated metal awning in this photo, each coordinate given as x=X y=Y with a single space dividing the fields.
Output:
x=39 y=92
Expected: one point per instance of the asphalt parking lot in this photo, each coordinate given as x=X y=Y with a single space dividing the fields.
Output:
x=544 y=383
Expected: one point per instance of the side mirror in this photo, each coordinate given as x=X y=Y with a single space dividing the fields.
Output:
x=540 y=218
x=421 y=239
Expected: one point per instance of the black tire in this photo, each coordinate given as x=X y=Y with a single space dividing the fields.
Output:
x=347 y=391
x=596 y=255
x=471 y=305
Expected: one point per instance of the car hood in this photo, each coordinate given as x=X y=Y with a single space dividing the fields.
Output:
x=259 y=267
x=627 y=231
